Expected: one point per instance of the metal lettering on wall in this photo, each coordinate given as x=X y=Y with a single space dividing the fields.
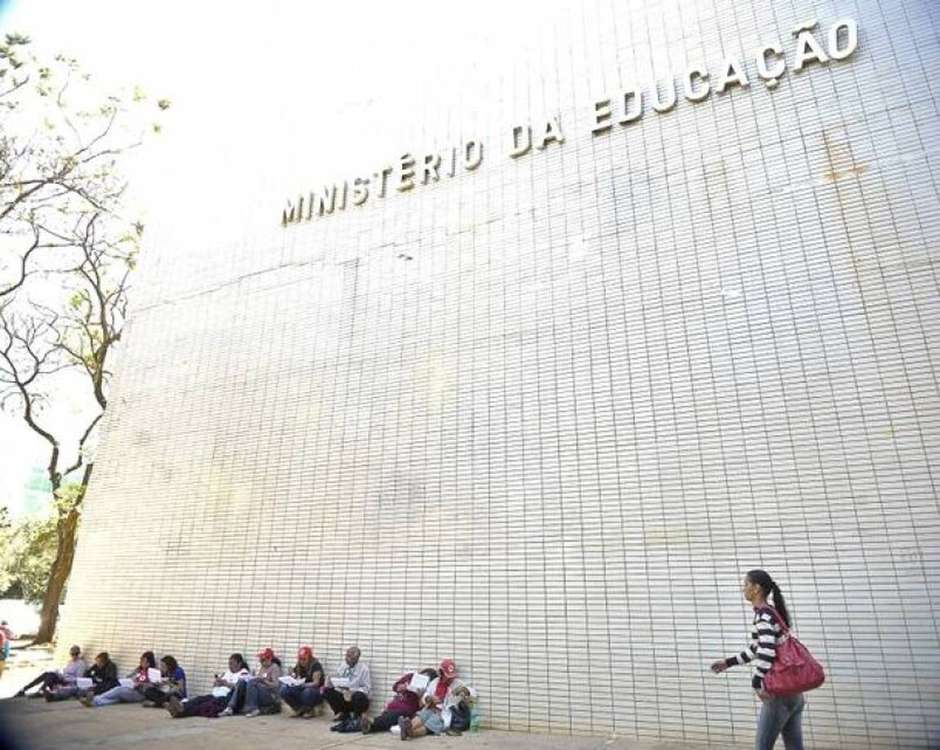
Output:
x=622 y=109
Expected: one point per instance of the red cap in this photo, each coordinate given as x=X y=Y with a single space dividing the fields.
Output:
x=266 y=653
x=448 y=668
x=305 y=652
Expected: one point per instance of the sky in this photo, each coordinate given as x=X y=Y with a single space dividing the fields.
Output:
x=266 y=99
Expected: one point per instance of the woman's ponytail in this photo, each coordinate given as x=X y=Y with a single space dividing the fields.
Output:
x=769 y=587
x=779 y=604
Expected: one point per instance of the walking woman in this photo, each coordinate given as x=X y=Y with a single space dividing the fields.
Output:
x=778 y=715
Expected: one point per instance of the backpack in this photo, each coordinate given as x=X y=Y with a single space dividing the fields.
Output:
x=460 y=717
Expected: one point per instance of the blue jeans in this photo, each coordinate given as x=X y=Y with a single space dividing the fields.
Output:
x=258 y=696
x=781 y=716
x=300 y=696
x=118 y=695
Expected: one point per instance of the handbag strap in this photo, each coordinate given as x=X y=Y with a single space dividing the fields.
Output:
x=778 y=618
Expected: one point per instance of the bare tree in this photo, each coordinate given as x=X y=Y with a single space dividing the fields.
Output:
x=66 y=255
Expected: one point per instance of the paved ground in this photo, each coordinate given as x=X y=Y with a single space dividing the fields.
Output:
x=37 y=725
x=25 y=662
x=27 y=724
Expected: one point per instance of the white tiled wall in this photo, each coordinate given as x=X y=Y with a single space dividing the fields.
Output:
x=613 y=376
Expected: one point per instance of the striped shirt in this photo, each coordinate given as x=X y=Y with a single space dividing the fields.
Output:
x=763 y=647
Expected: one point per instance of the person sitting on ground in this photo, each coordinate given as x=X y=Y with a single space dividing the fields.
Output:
x=260 y=691
x=133 y=693
x=404 y=703
x=102 y=673
x=347 y=692
x=305 y=697
x=173 y=684
x=214 y=703
x=446 y=706
x=74 y=668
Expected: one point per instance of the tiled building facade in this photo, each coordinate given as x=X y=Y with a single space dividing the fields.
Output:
x=540 y=416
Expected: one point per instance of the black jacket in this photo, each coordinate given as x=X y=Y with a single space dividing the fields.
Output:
x=104 y=677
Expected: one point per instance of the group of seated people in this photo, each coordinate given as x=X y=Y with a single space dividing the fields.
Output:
x=429 y=701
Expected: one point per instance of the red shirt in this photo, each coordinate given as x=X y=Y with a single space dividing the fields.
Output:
x=404 y=701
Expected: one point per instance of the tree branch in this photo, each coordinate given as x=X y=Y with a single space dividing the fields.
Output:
x=81 y=445
x=23 y=271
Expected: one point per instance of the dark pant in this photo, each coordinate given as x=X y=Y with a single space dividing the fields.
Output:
x=48 y=679
x=359 y=703
x=388 y=719
x=301 y=697
x=157 y=696
x=203 y=705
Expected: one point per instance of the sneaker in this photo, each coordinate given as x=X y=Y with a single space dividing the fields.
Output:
x=338 y=721
x=87 y=701
x=404 y=727
x=366 y=725
x=227 y=712
x=253 y=714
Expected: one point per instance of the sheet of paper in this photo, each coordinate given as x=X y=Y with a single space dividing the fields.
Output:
x=340 y=683
x=418 y=682
x=84 y=683
x=126 y=682
x=154 y=675
x=220 y=691
x=288 y=680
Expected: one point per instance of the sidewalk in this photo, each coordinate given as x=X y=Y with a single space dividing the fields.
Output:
x=25 y=663
x=37 y=725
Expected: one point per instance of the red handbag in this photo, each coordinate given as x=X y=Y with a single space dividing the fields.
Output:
x=794 y=670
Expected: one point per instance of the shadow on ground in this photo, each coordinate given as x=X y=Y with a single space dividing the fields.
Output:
x=37 y=725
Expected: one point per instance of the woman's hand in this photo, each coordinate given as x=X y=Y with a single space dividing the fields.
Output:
x=762 y=695
x=719 y=666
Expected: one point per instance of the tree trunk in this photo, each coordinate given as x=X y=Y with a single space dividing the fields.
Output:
x=58 y=575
